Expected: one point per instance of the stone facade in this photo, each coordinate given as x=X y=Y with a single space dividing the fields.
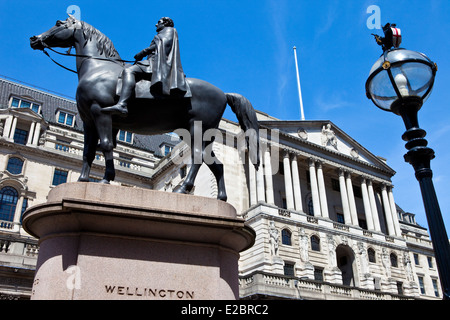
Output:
x=321 y=204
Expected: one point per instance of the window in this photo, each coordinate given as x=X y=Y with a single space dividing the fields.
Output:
x=421 y=285
x=15 y=165
x=66 y=118
x=430 y=262
x=286 y=237
x=19 y=103
x=394 y=262
x=340 y=218
x=318 y=274
x=124 y=161
x=20 y=136
x=8 y=202
x=62 y=145
x=289 y=269
x=15 y=103
x=24 y=207
x=125 y=136
x=371 y=255
x=435 y=287
x=59 y=177
x=315 y=243
x=166 y=149
x=416 y=259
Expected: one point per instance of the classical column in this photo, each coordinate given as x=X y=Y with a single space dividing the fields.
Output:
x=373 y=206
x=387 y=210
x=344 y=197
x=351 y=200
x=288 y=182
x=296 y=184
x=260 y=189
x=394 y=213
x=314 y=187
x=31 y=133
x=366 y=201
x=269 y=177
x=322 y=191
x=17 y=214
x=7 y=128
x=37 y=133
x=13 y=128
x=252 y=182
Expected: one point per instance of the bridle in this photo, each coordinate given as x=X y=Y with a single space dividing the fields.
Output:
x=58 y=29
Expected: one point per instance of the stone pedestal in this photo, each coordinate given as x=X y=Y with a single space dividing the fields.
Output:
x=367 y=282
x=389 y=285
x=411 y=289
x=277 y=265
x=110 y=242
x=333 y=275
x=305 y=269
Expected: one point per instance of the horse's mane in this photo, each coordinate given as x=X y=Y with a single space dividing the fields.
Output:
x=104 y=44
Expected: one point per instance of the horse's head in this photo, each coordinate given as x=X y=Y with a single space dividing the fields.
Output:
x=61 y=35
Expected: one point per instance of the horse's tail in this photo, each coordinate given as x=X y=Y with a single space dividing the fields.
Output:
x=247 y=120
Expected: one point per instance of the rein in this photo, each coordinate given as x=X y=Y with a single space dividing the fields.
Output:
x=80 y=56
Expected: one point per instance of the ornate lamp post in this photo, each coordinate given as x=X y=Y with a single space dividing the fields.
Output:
x=400 y=81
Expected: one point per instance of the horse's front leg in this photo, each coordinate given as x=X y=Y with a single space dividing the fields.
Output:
x=197 y=148
x=90 y=147
x=103 y=123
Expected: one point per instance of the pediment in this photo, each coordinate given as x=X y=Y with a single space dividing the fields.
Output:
x=25 y=113
x=326 y=138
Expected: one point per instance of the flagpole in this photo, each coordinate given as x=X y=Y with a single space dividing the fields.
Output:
x=298 y=84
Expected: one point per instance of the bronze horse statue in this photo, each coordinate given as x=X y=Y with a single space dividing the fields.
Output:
x=99 y=67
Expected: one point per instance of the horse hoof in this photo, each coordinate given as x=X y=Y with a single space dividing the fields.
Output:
x=83 y=180
x=104 y=181
x=179 y=190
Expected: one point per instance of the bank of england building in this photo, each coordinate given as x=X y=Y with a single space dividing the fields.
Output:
x=322 y=205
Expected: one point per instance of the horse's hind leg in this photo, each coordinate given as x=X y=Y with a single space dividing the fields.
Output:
x=90 y=146
x=216 y=168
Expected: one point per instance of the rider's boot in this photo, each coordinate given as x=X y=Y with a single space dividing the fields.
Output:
x=128 y=85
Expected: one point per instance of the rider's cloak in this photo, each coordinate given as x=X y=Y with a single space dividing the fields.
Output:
x=167 y=72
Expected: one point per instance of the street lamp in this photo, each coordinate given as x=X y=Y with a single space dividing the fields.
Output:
x=400 y=81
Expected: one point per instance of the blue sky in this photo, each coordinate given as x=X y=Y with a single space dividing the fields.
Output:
x=246 y=47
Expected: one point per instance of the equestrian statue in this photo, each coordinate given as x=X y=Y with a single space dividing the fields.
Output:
x=146 y=97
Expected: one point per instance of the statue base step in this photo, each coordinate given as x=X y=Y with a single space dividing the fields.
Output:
x=110 y=242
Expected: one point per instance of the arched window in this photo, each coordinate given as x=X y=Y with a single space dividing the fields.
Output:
x=8 y=201
x=315 y=243
x=394 y=261
x=371 y=254
x=286 y=237
x=15 y=165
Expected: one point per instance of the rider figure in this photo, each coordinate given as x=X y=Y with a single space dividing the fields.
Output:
x=162 y=67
